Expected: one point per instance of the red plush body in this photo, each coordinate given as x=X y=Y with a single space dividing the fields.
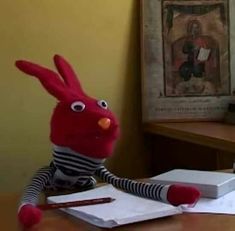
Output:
x=88 y=130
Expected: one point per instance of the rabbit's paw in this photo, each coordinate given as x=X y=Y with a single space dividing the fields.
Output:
x=29 y=215
x=178 y=194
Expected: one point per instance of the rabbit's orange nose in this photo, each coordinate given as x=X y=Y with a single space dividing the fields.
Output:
x=104 y=123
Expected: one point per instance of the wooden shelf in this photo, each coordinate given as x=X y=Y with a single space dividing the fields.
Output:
x=211 y=134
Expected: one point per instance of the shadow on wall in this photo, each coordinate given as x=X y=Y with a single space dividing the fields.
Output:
x=130 y=159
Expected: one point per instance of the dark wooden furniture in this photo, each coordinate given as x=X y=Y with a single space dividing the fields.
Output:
x=195 y=145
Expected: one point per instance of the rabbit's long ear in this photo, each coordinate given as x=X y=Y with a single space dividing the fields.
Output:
x=49 y=79
x=68 y=74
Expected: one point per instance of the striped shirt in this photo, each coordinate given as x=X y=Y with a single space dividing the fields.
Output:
x=71 y=170
x=74 y=167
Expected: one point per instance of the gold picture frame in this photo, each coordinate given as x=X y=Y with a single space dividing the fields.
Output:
x=187 y=61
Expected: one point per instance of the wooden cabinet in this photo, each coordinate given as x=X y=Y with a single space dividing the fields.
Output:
x=195 y=145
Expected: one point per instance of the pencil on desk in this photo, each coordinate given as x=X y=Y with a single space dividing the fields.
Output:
x=76 y=203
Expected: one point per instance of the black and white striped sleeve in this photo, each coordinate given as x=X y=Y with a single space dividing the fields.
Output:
x=38 y=182
x=143 y=189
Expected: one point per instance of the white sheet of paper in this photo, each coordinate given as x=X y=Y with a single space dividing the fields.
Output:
x=222 y=205
x=125 y=209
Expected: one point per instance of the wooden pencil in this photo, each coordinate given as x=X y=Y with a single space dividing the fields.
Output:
x=76 y=203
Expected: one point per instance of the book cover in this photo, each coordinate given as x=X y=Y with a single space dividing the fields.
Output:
x=211 y=184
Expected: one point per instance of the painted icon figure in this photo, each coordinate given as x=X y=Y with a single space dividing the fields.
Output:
x=197 y=50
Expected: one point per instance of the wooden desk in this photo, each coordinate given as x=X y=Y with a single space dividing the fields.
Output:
x=211 y=134
x=213 y=138
x=59 y=221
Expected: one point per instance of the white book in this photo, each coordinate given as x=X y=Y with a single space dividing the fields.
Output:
x=203 y=54
x=126 y=208
x=210 y=184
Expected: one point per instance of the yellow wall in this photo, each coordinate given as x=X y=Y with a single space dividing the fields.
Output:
x=100 y=39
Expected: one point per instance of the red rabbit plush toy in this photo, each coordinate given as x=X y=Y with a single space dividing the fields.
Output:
x=83 y=134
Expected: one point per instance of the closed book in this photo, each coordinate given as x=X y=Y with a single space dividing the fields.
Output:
x=210 y=184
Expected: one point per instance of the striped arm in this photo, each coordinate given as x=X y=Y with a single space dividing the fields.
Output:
x=143 y=189
x=40 y=179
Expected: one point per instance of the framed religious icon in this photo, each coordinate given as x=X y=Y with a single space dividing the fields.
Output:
x=188 y=60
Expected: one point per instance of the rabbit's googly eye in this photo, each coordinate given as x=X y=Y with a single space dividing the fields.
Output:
x=102 y=103
x=78 y=106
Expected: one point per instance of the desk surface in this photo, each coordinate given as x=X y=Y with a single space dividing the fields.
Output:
x=59 y=221
x=211 y=134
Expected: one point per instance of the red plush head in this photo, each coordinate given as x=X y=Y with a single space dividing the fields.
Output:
x=79 y=122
